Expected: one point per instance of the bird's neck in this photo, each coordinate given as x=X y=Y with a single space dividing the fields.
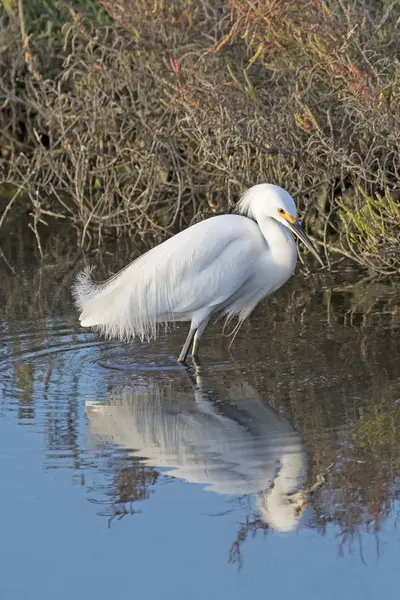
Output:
x=279 y=239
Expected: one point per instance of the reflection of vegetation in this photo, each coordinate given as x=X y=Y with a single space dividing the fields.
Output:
x=246 y=529
x=375 y=430
x=362 y=487
x=131 y=482
x=24 y=383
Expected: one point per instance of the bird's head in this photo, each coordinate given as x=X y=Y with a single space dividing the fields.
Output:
x=269 y=200
x=282 y=511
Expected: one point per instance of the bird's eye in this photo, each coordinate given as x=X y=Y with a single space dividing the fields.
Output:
x=281 y=211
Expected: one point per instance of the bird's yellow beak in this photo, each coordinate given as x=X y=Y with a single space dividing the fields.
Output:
x=300 y=509
x=299 y=232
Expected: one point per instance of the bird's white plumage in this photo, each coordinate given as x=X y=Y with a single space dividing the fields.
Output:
x=226 y=264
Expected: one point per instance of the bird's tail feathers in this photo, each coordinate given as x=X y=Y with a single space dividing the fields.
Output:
x=116 y=308
x=84 y=287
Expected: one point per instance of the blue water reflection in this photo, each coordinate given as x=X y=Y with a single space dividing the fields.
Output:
x=271 y=470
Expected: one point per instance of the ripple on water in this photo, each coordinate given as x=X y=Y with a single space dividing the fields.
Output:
x=34 y=356
x=47 y=359
x=123 y=357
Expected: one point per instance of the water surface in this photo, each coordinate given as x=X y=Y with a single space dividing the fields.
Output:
x=270 y=470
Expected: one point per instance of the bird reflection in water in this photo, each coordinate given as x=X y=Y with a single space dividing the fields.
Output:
x=231 y=442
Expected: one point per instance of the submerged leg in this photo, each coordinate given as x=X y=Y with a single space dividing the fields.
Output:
x=192 y=371
x=186 y=345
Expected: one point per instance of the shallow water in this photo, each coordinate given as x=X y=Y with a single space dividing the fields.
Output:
x=271 y=469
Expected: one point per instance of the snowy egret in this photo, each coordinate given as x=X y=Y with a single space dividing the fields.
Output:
x=232 y=443
x=226 y=264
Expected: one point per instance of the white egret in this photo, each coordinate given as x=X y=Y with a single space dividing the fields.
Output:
x=225 y=264
x=231 y=443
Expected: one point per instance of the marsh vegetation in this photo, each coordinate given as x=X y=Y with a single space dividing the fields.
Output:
x=140 y=118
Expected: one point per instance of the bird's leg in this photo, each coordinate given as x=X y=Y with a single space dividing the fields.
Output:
x=195 y=348
x=186 y=345
x=196 y=363
x=196 y=340
x=193 y=373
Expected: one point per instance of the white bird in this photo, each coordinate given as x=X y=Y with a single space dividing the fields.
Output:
x=231 y=443
x=226 y=264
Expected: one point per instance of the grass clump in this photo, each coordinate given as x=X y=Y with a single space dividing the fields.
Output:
x=145 y=122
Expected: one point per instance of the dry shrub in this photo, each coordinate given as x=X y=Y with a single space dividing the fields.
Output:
x=167 y=115
x=103 y=148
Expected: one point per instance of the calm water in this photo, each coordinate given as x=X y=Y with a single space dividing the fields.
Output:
x=271 y=470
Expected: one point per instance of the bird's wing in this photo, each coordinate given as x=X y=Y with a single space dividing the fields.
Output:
x=198 y=269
